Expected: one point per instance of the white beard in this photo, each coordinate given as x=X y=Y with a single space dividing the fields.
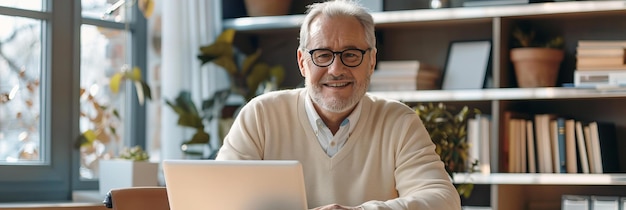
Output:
x=335 y=104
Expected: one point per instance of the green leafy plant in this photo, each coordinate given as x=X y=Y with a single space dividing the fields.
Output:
x=135 y=153
x=527 y=36
x=448 y=130
x=245 y=77
x=190 y=116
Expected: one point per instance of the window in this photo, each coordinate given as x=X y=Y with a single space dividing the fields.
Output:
x=51 y=51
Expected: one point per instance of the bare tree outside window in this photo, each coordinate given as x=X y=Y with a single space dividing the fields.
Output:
x=20 y=72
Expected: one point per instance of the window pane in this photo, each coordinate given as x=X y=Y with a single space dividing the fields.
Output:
x=112 y=10
x=103 y=53
x=36 y=5
x=20 y=71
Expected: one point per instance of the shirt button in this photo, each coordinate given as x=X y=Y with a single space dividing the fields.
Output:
x=332 y=143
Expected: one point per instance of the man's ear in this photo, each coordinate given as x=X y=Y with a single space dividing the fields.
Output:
x=373 y=60
x=301 y=61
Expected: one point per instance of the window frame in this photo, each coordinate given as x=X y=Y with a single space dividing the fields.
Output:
x=58 y=177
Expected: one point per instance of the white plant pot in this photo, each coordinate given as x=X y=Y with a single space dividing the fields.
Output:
x=127 y=173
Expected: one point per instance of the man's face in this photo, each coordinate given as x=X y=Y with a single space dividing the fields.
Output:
x=337 y=87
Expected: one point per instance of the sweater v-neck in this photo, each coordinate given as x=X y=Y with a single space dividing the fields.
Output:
x=351 y=142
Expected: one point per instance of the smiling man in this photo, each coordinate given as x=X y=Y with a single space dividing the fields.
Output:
x=357 y=151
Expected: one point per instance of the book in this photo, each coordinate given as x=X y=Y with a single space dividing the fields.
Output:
x=602 y=68
x=582 y=149
x=506 y=150
x=557 y=131
x=514 y=141
x=473 y=140
x=570 y=146
x=575 y=202
x=478 y=131
x=522 y=168
x=599 y=78
x=482 y=3
x=542 y=138
x=604 y=202
x=530 y=148
x=604 y=61
x=589 y=147
x=601 y=43
x=604 y=141
x=408 y=65
x=476 y=208
x=405 y=75
x=601 y=51
x=484 y=128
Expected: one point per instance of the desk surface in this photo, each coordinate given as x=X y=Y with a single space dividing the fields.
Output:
x=87 y=199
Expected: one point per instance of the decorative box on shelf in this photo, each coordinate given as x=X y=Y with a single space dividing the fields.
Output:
x=120 y=173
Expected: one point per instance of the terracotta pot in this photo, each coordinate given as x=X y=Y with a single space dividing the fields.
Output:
x=536 y=67
x=267 y=7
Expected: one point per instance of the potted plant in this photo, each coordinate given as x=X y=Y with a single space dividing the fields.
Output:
x=102 y=140
x=536 y=61
x=247 y=79
x=130 y=169
x=448 y=130
x=256 y=8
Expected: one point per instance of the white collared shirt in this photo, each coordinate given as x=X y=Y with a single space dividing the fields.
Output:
x=331 y=144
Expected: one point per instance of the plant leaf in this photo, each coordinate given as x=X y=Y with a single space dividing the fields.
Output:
x=134 y=75
x=139 y=89
x=146 y=90
x=228 y=63
x=115 y=82
x=226 y=36
x=200 y=137
x=216 y=50
x=278 y=73
x=260 y=73
x=249 y=61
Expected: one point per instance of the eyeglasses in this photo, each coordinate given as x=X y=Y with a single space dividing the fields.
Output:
x=349 y=57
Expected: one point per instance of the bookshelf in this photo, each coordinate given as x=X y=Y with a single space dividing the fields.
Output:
x=425 y=35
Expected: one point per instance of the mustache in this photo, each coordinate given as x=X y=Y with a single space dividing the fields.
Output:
x=331 y=78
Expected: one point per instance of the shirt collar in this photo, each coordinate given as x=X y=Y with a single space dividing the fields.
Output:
x=314 y=117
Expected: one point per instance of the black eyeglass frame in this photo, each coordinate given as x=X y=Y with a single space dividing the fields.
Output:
x=340 y=53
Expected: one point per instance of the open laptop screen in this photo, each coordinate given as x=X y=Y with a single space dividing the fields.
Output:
x=237 y=185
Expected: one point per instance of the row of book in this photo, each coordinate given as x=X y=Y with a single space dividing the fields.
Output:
x=547 y=143
x=405 y=75
x=592 y=202
x=600 y=63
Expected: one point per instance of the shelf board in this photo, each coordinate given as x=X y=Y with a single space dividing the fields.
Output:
x=540 y=179
x=499 y=94
x=430 y=15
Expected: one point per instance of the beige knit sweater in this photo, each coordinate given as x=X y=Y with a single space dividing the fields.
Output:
x=388 y=162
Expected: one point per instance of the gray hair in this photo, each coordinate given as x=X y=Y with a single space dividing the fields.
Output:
x=338 y=8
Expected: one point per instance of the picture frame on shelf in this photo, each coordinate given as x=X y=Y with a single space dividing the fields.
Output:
x=467 y=65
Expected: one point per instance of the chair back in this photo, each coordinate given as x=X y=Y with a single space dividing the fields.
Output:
x=137 y=198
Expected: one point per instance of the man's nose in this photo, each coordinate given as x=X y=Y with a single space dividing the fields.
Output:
x=337 y=68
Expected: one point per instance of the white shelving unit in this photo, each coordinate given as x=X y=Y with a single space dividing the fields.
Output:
x=501 y=94
x=425 y=35
x=540 y=179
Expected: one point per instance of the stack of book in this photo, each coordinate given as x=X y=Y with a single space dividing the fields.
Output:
x=405 y=75
x=592 y=202
x=549 y=143
x=600 y=63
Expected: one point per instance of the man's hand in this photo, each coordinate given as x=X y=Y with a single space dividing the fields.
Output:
x=337 y=207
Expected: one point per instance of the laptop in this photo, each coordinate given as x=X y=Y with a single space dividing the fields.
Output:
x=235 y=184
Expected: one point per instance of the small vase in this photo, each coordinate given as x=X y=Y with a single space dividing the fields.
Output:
x=267 y=7
x=536 y=67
